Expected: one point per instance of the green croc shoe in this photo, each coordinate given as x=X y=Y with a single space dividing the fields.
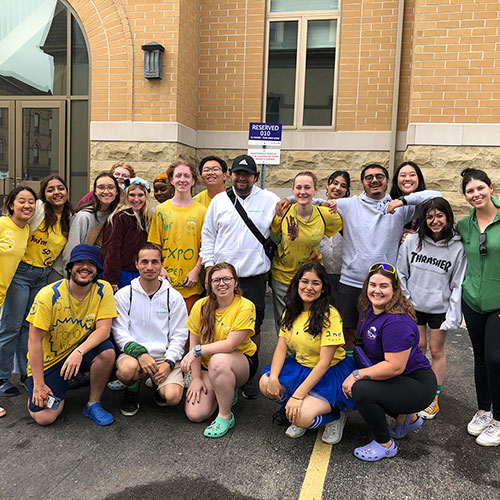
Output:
x=219 y=427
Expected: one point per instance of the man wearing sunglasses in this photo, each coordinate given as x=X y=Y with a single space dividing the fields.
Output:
x=373 y=226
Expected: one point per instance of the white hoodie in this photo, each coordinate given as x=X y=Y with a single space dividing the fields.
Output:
x=226 y=238
x=431 y=278
x=156 y=325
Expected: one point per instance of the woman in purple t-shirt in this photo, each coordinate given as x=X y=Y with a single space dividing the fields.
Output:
x=400 y=381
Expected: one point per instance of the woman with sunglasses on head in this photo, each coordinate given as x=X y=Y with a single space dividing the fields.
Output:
x=309 y=381
x=88 y=222
x=397 y=378
x=222 y=356
x=125 y=233
x=49 y=228
x=431 y=268
x=480 y=231
x=14 y=233
x=121 y=171
x=302 y=227
x=338 y=186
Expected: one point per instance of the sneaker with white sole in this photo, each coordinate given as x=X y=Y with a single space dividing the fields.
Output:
x=332 y=433
x=295 y=432
x=431 y=411
x=479 y=422
x=491 y=435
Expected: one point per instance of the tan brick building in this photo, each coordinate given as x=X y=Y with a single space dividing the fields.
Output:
x=352 y=81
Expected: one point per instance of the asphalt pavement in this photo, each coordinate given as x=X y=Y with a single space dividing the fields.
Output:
x=160 y=454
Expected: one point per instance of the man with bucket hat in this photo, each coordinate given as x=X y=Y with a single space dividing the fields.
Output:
x=70 y=322
x=226 y=237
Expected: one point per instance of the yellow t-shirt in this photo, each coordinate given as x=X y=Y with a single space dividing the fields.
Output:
x=240 y=315
x=203 y=198
x=45 y=246
x=68 y=322
x=300 y=240
x=306 y=348
x=13 y=242
x=178 y=231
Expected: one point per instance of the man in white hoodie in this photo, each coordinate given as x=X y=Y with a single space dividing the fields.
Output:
x=151 y=332
x=226 y=238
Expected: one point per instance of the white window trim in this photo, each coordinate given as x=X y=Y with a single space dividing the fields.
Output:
x=302 y=17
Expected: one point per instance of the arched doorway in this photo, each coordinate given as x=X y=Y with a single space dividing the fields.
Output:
x=44 y=96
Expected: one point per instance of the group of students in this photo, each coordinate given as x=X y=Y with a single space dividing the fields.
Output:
x=440 y=271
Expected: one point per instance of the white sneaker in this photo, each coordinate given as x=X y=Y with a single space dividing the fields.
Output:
x=2 y=412
x=491 y=435
x=149 y=383
x=479 y=422
x=295 y=432
x=332 y=433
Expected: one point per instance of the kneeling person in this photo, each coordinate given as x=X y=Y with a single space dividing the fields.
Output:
x=70 y=321
x=150 y=331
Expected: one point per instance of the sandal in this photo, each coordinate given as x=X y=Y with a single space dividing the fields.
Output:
x=372 y=452
x=7 y=389
x=98 y=414
x=399 y=431
x=235 y=397
x=219 y=427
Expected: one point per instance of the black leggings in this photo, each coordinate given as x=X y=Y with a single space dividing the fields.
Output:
x=484 y=333
x=399 y=395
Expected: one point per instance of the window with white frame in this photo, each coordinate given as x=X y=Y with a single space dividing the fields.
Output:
x=301 y=61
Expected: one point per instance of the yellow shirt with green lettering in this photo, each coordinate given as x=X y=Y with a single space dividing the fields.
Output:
x=203 y=198
x=306 y=348
x=13 y=240
x=178 y=231
x=240 y=315
x=67 y=321
x=45 y=246
x=300 y=240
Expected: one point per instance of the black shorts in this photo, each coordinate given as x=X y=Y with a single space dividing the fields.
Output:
x=253 y=363
x=347 y=304
x=433 y=320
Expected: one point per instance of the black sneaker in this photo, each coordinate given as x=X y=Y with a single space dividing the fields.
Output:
x=279 y=417
x=79 y=380
x=249 y=390
x=158 y=399
x=22 y=382
x=130 y=405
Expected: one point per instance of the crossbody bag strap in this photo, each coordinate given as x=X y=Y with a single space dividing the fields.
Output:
x=244 y=216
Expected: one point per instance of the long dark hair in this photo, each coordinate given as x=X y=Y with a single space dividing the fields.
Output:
x=319 y=317
x=207 y=329
x=424 y=230
x=399 y=304
x=395 y=191
x=347 y=178
x=50 y=219
x=469 y=174
x=94 y=205
x=11 y=197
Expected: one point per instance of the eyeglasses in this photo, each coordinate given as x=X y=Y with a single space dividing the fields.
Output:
x=370 y=177
x=102 y=187
x=385 y=266
x=313 y=283
x=226 y=280
x=483 y=251
x=211 y=170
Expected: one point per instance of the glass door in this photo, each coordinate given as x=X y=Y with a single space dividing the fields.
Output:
x=40 y=140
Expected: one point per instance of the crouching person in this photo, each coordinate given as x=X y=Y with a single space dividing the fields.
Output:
x=70 y=322
x=151 y=331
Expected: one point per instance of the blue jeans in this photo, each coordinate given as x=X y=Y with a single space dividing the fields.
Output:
x=26 y=283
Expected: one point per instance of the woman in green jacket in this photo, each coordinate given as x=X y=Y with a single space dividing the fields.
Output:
x=480 y=231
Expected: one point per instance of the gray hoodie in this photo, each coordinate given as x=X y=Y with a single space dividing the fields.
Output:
x=431 y=278
x=371 y=234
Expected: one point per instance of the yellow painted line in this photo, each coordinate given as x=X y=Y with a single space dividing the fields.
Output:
x=312 y=487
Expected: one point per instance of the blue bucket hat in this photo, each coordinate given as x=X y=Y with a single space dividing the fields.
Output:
x=86 y=252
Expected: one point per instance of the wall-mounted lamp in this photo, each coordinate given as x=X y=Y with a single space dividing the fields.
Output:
x=153 y=60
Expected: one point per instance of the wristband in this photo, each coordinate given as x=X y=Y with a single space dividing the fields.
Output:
x=170 y=363
x=197 y=351
x=79 y=352
x=356 y=375
x=403 y=200
x=298 y=399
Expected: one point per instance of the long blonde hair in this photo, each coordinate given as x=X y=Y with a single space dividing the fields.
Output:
x=144 y=216
x=207 y=329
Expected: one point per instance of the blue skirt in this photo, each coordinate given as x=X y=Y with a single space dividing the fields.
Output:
x=329 y=388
